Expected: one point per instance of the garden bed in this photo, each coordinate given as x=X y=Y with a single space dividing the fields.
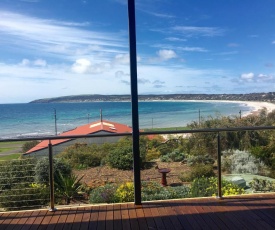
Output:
x=101 y=175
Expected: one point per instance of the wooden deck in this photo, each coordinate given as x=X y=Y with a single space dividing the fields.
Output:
x=242 y=212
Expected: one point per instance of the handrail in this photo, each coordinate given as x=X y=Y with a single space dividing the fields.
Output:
x=143 y=133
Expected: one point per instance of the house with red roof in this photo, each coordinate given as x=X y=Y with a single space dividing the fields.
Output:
x=98 y=127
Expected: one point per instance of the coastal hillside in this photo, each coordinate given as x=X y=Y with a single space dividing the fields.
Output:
x=267 y=97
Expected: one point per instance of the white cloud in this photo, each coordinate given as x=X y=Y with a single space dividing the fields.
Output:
x=192 y=49
x=143 y=81
x=40 y=62
x=190 y=31
x=166 y=54
x=85 y=66
x=121 y=74
x=233 y=45
x=174 y=39
x=81 y=66
x=264 y=77
x=37 y=62
x=247 y=76
x=122 y=59
x=64 y=39
x=25 y=62
x=159 y=15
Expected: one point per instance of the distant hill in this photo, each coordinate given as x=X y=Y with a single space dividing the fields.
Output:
x=267 y=97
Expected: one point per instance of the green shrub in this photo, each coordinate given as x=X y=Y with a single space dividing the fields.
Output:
x=16 y=172
x=125 y=192
x=152 y=154
x=121 y=159
x=186 y=176
x=200 y=159
x=203 y=187
x=21 y=197
x=197 y=171
x=42 y=170
x=226 y=164
x=104 y=194
x=241 y=162
x=260 y=185
x=121 y=156
x=67 y=186
x=155 y=191
x=175 y=156
x=29 y=145
x=81 y=155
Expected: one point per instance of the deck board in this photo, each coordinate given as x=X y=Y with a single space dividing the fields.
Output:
x=117 y=217
x=255 y=211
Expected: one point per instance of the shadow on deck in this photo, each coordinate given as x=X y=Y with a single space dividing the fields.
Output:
x=255 y=211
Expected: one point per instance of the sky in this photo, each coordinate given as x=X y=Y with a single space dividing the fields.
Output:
x=52 y=48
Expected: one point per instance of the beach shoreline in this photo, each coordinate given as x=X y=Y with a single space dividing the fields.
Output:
x=255 y=106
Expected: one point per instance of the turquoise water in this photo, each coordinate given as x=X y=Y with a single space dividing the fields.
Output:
x=24 y=120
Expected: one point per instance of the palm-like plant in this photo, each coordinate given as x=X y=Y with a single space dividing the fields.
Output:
x=68 y=186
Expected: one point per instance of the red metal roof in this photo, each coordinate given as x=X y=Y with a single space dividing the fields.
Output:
x=91 y=128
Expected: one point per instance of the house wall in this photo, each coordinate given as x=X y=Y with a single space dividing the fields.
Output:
x=60 y=147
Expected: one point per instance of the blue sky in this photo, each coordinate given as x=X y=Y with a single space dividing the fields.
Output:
x=52 y=48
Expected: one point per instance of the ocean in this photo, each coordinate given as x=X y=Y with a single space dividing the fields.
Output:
x=29 y=120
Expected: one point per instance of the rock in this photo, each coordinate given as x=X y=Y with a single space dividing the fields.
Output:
x=237 y=180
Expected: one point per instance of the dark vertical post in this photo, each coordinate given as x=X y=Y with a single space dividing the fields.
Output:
x=55 y=125
x=51 y=177
x=219 y=167
x=199 y=117
x=134 y=99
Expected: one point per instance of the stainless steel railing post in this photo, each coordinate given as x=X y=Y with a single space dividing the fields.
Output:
x=51 y=177
x=219 y=166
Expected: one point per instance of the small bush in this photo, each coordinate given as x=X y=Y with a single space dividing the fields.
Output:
x=68 y=186
x=175 y=156
x=186 y=176
x=260 y=185
x=16 y=172
x=204 y=187
x=29 y=145
x=121 y=159
x=111 y=193
x=21 y=197
x=104 y=194
x=154 y=191
x=197 y=171
x=200 y=159
x=42 y=170
x=81 y=155
x=226 y=164
x=152 y=154
x=125 y=192
x=241 y=162
x=121 y=156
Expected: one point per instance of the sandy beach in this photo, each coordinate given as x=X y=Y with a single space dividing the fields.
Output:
x=254 y=105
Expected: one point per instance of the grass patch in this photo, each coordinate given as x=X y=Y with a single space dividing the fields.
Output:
x=10 y=157
x=12 y=147
x=5 y=149
x=167 y=129
x=11 y=143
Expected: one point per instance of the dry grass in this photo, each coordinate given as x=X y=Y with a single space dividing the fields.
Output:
x=98 y=176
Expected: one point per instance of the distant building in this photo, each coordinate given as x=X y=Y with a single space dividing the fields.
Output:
x=98 y=127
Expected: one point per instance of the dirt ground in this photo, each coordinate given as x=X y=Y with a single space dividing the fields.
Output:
x=99 y=176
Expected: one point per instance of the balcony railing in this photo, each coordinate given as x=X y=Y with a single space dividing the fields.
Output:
x=217 y=132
